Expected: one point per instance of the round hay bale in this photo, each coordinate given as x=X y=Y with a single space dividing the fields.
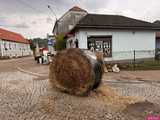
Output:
x=72 y=72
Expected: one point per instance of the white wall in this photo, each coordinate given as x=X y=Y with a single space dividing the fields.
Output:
x=123 y=42
x=14 y=49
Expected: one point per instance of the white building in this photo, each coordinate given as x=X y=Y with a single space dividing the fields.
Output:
x=116 y=36
x=13 y=45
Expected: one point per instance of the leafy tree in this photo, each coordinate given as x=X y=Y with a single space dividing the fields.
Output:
x=43 y=43
x=32 y=45
x=60 y=42
x=40 y=41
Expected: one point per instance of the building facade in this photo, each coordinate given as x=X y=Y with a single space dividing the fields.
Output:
x=118 y=44
x=68 y=21
x=13 y=45
x=118 y=37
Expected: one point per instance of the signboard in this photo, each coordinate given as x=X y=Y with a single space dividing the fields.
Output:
x=50 y=41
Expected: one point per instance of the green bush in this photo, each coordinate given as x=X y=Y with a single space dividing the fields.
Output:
x=60 y=42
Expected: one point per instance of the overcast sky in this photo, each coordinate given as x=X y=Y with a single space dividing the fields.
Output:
x=32 y=18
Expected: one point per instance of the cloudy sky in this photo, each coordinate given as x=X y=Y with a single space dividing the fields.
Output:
x=32 y=18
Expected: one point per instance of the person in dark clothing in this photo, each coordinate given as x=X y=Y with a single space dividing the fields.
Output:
x=98 y=71
x=76 y=43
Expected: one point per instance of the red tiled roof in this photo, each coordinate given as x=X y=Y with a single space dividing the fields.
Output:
x=12 y=36
x=76 y=8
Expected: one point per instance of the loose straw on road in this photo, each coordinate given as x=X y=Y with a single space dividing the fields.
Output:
x=111 y=98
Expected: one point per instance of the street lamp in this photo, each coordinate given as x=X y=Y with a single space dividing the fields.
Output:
x=49 y=7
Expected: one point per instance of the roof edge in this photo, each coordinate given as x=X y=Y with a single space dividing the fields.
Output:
x=118 y=27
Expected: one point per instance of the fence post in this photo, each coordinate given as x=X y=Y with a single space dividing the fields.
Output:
x=134 y=60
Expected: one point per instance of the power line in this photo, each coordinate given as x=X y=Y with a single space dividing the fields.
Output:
x=33 y=8
x=28 y=5
x=52 y=2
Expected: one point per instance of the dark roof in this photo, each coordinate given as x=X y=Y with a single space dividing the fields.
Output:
x=114 y=22
x=157 y=22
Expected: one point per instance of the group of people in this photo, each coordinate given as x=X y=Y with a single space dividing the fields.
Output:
x=43 y=57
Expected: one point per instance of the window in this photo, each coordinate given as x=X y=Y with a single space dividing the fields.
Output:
x=101 y=43
x=10 y=46
x=5 y=46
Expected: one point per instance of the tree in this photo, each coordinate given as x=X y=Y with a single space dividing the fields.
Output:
x=32 y=46
x=42 y=43
x=60 y=42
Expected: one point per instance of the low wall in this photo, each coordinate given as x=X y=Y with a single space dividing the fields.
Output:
x=126 y=55
x=129 y=55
